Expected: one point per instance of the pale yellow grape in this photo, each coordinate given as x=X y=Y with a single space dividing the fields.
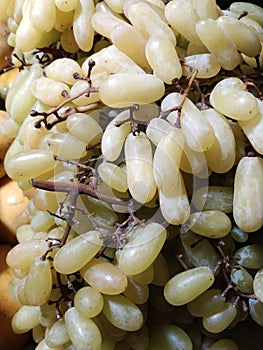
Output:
x=168 y=336
x=218 y=43
x=21 y=95
x=146 y=276
x=221 y=155
x=122 y=313
x=82 y=28
x=137 y=293
x=42 y=345
x=32 y=136
x=254 y=11
x=130 y=41
x=174 y=203
x=252 y=128
x=9 y=128
x=244 y=36
x=198 y=133
x=214 y=198
x=115 y=5
x=26 y=165
x=205 y=64
x=42 y=221
x=26 y=318
x=23 y=254
x=148 y=22
x=139 y=167
x=248 y=191
x=49 y=91
x=3 y=8
x=84 y=128
x=64 y=20
x=104 y=22
x=104 y=277
x=83 y=332
x=81 y=88
x=38 y=283
x=206 y=8
x=234 y=103
x=26 y=37
x=232 y=83
x=57 y=334
x=135 y=89
x=111 y=60
x=68 y=41
x=88 y=301
x=167 y=158
x=163 y=58
x=145 y=243
x=43 y=15
x=219 y=320
x=210 y=223
x=15 y=10
x=24 y=233
x=114 y=176
x=77 y=252
x=182 y=16
x=187 y=285
x=63 y=69
x=66 y=5
x=225 y=343
x=156 y=128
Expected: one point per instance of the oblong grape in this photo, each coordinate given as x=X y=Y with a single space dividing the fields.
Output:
x=23 y=254
x=163 y=58
x=84 y=127
x=206 y=303
x=258 y=285
x=77 y=252
x=122 y=313
x=221 y=155
x=134 y=88
x=145 y=243
x=256 y=310
x=104 y=277
x=250 y=256
x=38 y=284
x=221 y=319
x=254 y=11
x=205 y=64
x=169 y=337
x=156 y=128
x=187 y=285
x=242 y=279
x=114 y=176
x=26 y=318
x=139 y=167
x=248 y=191
x=210 y=223
x=234 y=103
x=218 y=43
x=225 y=343
x=43 y=15
x=88 y=301
x=26 y=165
x=63 y=69
x=136 y=292
x=82 y=27
x=57 y=334
x=214 y=198
x=83 y=332
x=66 y=5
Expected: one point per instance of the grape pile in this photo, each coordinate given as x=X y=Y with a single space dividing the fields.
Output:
x=136 y=132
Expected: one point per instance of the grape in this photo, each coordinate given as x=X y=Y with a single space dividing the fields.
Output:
x=136 y=141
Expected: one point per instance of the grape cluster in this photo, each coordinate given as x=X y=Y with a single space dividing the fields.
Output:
x=137 y=137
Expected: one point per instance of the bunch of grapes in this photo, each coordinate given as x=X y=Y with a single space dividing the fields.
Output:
x=136 y=132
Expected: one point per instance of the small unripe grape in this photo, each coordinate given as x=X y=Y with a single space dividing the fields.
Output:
x=187 y=285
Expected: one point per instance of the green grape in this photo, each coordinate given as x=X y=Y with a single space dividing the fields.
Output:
x=250 y=256
x=220 y=319
x=242 y=279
